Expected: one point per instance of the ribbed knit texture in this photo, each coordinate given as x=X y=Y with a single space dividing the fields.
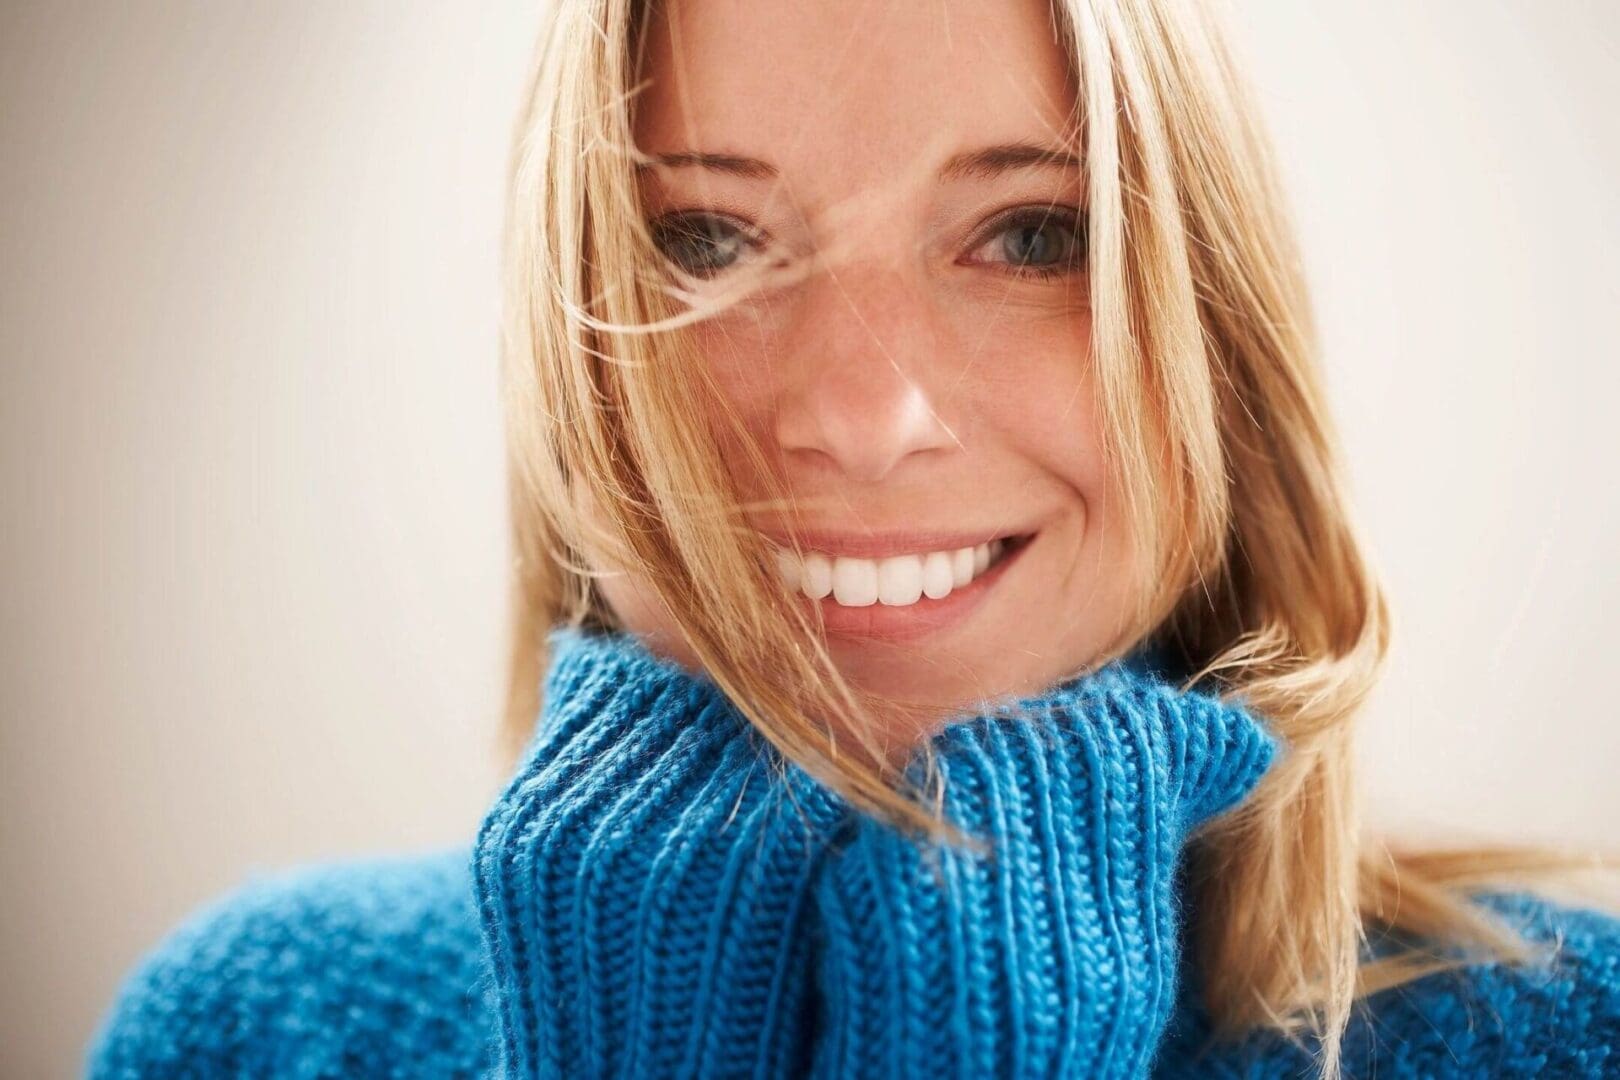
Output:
x=642 y=881
x=1057 y=956
x=654 y=895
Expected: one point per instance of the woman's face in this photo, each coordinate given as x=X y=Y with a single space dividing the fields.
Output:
x=926 y=386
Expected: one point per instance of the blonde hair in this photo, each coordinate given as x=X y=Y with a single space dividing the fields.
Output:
x=1252 y=574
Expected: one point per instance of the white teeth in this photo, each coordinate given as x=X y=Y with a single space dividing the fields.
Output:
x=818 y=575
x=789 y=567
x=961 y=566
x=896 y=581
x=900 y=580
x=937 y=579
x=855 y=582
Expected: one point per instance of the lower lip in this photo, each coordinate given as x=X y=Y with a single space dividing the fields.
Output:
x=882 y=622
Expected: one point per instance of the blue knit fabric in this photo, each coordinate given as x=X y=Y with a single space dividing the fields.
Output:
x=1058 y=955
x=642 y=882
x=656 y=893
x=364 y=969
x=1556 y=1018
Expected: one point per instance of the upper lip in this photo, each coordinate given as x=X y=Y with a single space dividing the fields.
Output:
x=877 y=545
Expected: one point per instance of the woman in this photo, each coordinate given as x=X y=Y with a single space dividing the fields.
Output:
x=914 y=428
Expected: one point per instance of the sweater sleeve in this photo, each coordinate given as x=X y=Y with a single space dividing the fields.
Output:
x=1556 y=1016
x=642 y=881
x=1055 y=955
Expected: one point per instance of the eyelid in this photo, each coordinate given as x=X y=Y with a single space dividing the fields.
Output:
x=1033 y=213
x=756 y=236
x=1036 y=214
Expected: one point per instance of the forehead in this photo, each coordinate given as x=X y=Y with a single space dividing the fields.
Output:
x=851 y=87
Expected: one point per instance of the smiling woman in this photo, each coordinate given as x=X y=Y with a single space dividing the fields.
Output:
x=914 y=427
x=895 y=326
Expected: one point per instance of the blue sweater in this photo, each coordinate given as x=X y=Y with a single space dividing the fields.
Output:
x=657 y=893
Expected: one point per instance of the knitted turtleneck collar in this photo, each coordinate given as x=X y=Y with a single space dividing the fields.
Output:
x=654 y=905
x=590 y=668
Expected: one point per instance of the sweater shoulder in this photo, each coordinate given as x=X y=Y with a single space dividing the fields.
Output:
x=369 y=967
x=1557 y=1016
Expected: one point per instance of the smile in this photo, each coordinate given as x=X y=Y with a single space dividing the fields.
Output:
x=896 y=581
x=893 y=595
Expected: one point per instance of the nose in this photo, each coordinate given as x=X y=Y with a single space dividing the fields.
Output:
x=858 y=395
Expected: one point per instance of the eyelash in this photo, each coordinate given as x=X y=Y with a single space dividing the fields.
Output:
x=1039 y=217
x=690 y=223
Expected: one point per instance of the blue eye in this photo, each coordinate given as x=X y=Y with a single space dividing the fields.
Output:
x=1039 y=241
x=1032 y=241
x=701 y=244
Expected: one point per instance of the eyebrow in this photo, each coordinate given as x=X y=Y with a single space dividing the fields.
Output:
x=985 y=164
x=746 y=167
x=994 y=161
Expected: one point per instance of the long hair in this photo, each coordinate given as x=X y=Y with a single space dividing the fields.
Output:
x=1252 y=575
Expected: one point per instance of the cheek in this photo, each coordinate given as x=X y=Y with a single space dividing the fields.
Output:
x=1037 y=387
x=740 y=356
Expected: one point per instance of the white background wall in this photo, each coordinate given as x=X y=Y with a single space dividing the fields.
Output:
x=251 y=505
